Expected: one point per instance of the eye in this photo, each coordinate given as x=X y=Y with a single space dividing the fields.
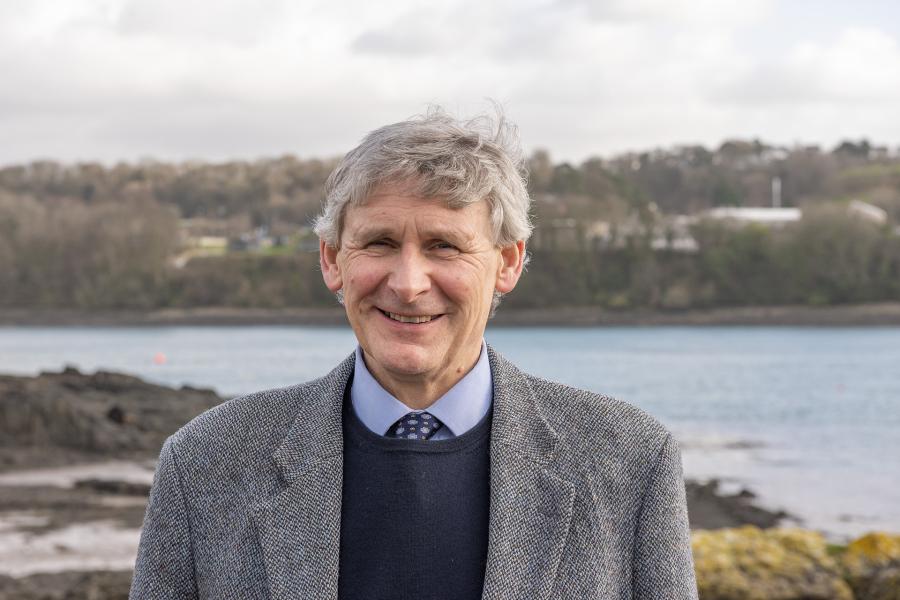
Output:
x=444 y=247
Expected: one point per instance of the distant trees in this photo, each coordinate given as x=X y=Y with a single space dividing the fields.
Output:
x=827 y=258
x=248 y=281
x=73 y=254
x=95 y=237
x=833 y=259
x=285 y=187
x=741 y=266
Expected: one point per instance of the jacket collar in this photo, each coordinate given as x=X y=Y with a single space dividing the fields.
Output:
x=530 y=505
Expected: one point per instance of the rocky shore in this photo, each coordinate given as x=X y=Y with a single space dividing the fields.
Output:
x=64 y=418
x=76 y=461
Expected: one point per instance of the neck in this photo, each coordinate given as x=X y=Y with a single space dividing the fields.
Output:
x=421 y=391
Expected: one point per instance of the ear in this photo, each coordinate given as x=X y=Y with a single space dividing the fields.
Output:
x=331 y=271
x=512 y=259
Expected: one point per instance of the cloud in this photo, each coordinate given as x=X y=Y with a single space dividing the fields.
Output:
x=465 y=28
x=696 y=12
x=861 y=66
x=121 y=79
x=412 y=35
x=240 y=22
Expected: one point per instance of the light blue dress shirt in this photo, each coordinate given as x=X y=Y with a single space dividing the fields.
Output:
x=460 y=409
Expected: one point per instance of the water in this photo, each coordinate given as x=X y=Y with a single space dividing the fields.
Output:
x=808 y=418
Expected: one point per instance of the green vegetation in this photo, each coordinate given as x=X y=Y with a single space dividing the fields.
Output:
x=156 y=235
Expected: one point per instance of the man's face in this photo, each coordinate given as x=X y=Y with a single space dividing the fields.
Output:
x=418 y=279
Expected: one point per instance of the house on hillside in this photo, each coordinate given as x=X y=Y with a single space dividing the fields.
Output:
x=763 y=215
x=564 y=233
x=867 y=211
x=674 y=234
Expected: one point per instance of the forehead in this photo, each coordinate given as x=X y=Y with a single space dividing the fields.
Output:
x=394 y=206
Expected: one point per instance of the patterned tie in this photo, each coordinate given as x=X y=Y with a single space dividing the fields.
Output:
x=415 y=426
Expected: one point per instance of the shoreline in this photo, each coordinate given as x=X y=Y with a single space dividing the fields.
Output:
x=73 y=530
x=87 y=516
x=870 y=315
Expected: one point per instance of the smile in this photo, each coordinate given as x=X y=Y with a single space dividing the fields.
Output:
x=415 y=319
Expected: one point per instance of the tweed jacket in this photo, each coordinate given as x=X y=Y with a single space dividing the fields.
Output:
x=587 y=498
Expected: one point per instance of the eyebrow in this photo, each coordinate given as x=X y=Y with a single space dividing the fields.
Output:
x=369 y=233
x=377 y=232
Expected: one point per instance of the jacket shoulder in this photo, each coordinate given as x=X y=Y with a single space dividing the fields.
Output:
x=242 y=431
x=595 y=425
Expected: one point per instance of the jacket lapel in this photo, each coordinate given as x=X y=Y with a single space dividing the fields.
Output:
x=531 y=507
x=299 y=527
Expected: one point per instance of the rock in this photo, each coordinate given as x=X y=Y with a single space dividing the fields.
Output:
x=872 y=566
x=110 y=486
x=885 y=585
x=116 y=415
x=66 y=417
x=709 y=509
x=92 y=585
x=748 y=563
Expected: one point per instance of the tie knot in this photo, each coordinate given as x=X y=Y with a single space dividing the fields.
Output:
x=415 y=426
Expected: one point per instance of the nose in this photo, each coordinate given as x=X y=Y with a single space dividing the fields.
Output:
x=409 y=277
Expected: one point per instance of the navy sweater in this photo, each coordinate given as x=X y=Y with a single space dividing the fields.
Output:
x=414 y=514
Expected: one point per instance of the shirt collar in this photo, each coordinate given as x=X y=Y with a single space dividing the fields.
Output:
x=460 y=409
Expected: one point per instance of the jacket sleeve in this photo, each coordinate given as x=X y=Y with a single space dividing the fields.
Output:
x=663 y=564
x=165 y=563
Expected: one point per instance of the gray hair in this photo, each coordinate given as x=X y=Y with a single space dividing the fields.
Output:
x=439 y=156
x=461 y=161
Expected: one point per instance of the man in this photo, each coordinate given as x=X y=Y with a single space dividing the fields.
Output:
x=425 y=465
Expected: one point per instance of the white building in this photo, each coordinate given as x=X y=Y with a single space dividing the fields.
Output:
x=762 y=215
x=867 y=211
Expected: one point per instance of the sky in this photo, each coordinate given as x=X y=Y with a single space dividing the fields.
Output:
x=126 y=80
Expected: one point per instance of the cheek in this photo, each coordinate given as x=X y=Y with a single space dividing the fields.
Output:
x=466 y=288
x=362 y=278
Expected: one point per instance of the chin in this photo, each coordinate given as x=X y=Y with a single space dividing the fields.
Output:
x=404 y=358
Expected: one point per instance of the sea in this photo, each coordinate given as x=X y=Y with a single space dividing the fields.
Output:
x=807 y=418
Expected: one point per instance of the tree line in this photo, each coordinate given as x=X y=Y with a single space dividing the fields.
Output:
x=97 y=237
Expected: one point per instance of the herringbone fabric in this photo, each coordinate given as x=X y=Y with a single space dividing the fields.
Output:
x=587 y=498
